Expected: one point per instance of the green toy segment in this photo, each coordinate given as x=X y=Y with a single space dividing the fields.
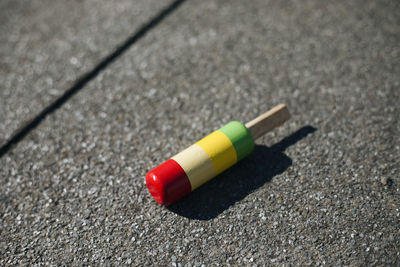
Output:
x=240 y=137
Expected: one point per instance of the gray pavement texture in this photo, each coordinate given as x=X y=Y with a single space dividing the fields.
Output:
x=46 y=45
x=321 y=190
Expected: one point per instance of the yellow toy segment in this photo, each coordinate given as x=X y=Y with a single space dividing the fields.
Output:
x=220 y=150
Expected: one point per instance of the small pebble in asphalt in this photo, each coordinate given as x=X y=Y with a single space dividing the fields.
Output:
x=386 y=181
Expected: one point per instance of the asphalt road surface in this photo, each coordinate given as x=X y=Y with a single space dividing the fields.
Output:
x=94 y=94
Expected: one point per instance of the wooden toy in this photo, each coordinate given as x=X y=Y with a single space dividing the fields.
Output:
x=210 y=156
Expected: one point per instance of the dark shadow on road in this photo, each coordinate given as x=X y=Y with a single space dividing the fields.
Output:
x=219 y=194
x=82 y=81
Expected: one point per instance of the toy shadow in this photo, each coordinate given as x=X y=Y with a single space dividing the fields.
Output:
x=214 y=197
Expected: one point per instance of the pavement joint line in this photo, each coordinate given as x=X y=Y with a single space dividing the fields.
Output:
x=81 y=82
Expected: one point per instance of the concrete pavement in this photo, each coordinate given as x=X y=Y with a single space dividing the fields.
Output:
x=73 y=192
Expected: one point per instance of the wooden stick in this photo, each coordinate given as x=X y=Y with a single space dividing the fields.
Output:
x=268 y=121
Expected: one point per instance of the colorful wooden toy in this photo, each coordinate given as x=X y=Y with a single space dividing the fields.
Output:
x=210 y=156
